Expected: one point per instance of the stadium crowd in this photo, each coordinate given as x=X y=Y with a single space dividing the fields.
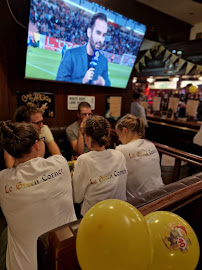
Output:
x=56 y=19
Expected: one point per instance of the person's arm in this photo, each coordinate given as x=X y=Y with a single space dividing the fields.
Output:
x=105 y=74
x=49 y=141
x=106 y=79
x=8 y=159
x=143 y=116
x=53 y=148
x=78 y=145
x=79 y=182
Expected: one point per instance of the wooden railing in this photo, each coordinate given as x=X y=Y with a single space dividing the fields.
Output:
x=174 y=200
x=179 y=156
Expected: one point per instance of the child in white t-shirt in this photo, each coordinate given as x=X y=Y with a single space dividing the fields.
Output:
x=99 y=174
x=35 y=195
x=142 y=158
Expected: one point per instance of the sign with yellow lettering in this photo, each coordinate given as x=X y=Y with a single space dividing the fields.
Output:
x=43 y=100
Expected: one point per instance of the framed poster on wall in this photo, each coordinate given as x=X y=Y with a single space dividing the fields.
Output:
x=43 y=100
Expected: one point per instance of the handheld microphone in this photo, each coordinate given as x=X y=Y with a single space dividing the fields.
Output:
x=94 y=61
x=95 y=58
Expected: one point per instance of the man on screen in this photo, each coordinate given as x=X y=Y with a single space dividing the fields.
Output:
x=86 y=64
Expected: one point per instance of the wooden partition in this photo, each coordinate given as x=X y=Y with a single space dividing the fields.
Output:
x=174 y=133
x=56 y=249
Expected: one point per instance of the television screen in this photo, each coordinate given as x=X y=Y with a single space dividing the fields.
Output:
x=81 y=42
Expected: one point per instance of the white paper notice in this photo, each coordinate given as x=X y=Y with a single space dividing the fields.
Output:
x=156 y=103
x=73 y=101
x=173 y=103
x=115 y=106
x=192 y=106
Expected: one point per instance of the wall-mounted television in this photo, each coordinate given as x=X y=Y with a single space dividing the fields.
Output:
x=79 y=41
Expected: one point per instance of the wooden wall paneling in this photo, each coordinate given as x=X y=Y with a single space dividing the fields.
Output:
x=4 y=108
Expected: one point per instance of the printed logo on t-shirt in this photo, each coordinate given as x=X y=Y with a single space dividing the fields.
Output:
x=103 y=178
x=142 y=154
x=20 y=185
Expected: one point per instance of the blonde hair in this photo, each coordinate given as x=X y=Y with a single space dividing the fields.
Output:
x=98 y=128
x=132 y=123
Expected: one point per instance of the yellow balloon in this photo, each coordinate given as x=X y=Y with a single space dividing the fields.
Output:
x=193 y=89
x=113 y=235
x=174 y=243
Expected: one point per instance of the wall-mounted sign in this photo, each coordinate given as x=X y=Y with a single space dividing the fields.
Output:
x=73 y=101
x=184 y=83
x=45 y=101
x=163 y=85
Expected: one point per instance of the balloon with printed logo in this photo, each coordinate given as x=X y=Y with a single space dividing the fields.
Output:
x=174 y=243
x=113 y=235
x=193 y=89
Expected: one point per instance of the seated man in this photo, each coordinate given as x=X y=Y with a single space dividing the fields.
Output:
x=34 y=115
x=75 y=131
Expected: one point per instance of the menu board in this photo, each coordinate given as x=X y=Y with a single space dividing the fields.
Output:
x=173 y=104
x=156 y=103
x=192 y=106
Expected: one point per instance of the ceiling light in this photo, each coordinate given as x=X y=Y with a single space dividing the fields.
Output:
x=150 y=79
x=174 y=79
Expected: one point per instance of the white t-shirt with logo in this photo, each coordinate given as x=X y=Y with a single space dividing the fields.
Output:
x=99 y=175
x=143 y=164
x=35 y=197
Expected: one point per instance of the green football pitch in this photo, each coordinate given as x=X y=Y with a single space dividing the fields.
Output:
x=43 y=64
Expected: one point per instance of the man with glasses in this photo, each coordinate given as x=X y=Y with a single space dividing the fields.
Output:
x=75 y=131
x=34 y=115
